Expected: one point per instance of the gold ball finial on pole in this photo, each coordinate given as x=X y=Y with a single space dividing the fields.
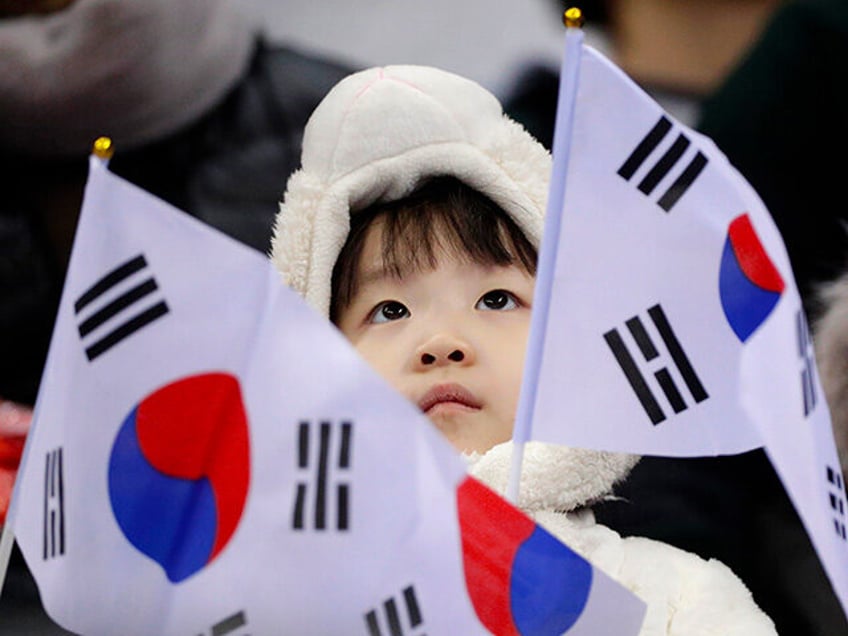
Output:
x=103 y=148
x=573 y=18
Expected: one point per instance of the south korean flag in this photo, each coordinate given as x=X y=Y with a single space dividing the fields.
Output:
x=209 y=457
x=674 y=326
x=667 y=266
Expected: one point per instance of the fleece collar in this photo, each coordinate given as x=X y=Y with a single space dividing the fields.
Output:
x=553 y=477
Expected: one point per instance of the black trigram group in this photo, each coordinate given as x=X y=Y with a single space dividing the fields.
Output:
x=229 y=625
x=319 y=471
x=123 y=301
x=836 y=494
x=808 y=365
x=53 y=536
x=391 y=617
x=667 y=163
x=640 y=379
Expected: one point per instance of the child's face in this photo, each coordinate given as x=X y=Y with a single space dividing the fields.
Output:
x=451 y=339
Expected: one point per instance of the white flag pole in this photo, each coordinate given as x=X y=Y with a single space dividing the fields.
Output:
x=7 y=539
x=569 y=77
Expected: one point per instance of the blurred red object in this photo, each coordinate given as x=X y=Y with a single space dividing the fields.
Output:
x=15 y=420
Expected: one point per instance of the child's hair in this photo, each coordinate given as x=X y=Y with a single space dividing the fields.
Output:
x=443 y=214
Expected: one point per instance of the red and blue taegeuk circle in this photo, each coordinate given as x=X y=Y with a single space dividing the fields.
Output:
x=179 y=472
x=749 y=283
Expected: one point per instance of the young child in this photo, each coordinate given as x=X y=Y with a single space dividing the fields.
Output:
x=413 y=224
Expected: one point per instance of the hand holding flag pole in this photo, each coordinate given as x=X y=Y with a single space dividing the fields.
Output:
x=569 y=77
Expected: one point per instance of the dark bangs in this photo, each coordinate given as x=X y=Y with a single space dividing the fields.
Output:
x=444 y=215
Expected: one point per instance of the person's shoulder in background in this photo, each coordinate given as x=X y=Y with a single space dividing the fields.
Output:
x=227 y=168
x=781 y=117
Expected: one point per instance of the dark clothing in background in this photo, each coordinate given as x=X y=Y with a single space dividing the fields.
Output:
x=781 y=117
x=782 y=120
x=228 y=169
x=736 y=510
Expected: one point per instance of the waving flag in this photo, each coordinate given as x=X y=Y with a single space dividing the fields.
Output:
x=673 y=324
x=208 y=456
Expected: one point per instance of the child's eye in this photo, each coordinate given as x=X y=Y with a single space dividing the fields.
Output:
x=387 y=311
x=497 y=300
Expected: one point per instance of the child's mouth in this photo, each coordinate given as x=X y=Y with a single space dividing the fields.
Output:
x=448 y=398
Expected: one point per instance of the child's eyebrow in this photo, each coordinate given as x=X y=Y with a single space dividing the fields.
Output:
x=372 y=275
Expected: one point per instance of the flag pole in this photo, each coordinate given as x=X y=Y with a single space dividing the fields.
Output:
x=569 y=77
x=103 y=149
x=7 y=540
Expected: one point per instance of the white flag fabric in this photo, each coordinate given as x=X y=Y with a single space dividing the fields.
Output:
x=208 y=456
x=675 y=325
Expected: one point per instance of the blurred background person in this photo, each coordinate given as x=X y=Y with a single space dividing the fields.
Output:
x=204 y=112
x=678 y=51
x=781 y=118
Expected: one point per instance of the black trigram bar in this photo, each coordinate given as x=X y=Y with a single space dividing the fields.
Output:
x=54 y=505
x=229 y=624
x=649 y=352
x=118 y=306
x=805 y=352
x=319 y=484
x=664 y=165
x=392 y=615
x=837 y=501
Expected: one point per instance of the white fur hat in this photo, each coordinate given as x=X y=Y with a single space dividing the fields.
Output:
x=375 y=137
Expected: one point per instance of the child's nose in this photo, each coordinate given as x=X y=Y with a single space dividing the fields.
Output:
x=443 y=349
